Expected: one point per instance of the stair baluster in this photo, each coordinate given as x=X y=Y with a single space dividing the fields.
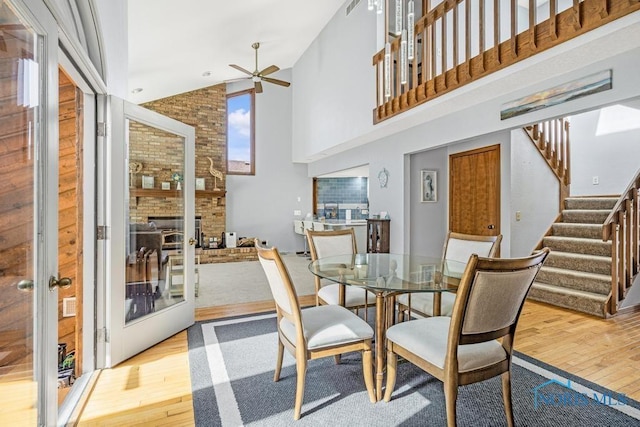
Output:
x=622 y=228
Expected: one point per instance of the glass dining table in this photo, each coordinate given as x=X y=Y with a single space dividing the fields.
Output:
x=389 y=275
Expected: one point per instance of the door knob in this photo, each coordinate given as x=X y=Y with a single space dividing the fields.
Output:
x=491 y=227
x=62 y=283
x=192 y=241
x=25 y=285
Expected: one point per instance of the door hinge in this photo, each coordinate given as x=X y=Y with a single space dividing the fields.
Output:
x=103 y=335
x=102 y=232
x=102 y=129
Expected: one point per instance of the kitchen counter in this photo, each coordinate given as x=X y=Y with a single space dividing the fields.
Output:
x=359 y=228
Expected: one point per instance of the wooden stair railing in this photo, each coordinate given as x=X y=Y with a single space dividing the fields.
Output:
x=551 y=137
x=457 y=43
x=622 y=228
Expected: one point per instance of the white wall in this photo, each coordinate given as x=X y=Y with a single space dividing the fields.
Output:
x=535 y=193
x=428 y=221
x=332 y=119
x=466 y=113
x=262 y=205
x=598 y=154
x=334 y=84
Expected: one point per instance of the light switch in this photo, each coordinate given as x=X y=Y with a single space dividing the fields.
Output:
x=596 y=180
x=518 y=215
x=297 y=213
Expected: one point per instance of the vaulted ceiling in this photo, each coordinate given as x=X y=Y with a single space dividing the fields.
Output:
x=179 y=46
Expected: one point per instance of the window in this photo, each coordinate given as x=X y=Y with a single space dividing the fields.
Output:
x=240 y=133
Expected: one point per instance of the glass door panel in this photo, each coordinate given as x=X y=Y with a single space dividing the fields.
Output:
x=28 y=232
x=154 y=280
x=150 y=270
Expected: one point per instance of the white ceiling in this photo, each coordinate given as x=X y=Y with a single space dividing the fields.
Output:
x=172 y=43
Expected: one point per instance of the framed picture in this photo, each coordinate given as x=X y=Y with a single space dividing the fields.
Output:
x=428 y=273
x=429 y=186
x=147 y=181
x=199 y=183
x=166 y=186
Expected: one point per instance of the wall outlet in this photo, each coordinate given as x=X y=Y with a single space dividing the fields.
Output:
x=596 y=180
x=297 y=213
x=518 y=215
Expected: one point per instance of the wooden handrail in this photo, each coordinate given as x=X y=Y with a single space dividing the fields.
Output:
x=551 y=138
x=634 y=185
x=622 y=228
x=446 y=37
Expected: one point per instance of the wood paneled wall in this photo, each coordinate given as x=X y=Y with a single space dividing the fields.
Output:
x=70 y=211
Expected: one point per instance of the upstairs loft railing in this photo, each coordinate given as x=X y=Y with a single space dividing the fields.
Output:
x=459 y=41
x=622 y=228
x=551 y=137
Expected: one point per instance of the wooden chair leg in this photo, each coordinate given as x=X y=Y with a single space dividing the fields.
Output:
x=337 y=358
x=506 y=397
x=450 y=397
x=276 y=375
x=367 y=369
x=392 y=363
x=301 y=370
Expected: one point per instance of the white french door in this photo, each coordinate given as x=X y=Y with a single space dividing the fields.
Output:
x=28 y=214
x=150 y=162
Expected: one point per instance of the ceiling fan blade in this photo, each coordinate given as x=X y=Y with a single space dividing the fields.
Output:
x=258 y=86
x=239 y=68
x=276 y=81
x=269 y=70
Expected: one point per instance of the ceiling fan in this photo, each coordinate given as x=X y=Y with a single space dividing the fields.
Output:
x=259 y=76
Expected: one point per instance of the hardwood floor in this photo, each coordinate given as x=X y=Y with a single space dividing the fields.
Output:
x=153 y=388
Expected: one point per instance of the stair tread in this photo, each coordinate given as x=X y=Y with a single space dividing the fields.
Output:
x=584 y=274
x=579 y=239
x=569 y=291
x=564 y=254
x=577 y=224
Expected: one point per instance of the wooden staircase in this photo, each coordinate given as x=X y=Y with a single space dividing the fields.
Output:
x=577 y=273
x=595 y=241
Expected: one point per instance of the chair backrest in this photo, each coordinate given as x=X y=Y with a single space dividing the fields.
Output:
x=280 y=282
x=459 y=247
x=490 y=297
x=331 y=242
x=298 y=226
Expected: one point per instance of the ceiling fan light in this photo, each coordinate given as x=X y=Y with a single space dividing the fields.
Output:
x=255 y=79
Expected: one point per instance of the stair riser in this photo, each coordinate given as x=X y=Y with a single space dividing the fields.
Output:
x=572 y=302
x=595 y=203
x=589 y=266
x=567 y=280
x=598 y=248
x=585 y=217
x=575 y=230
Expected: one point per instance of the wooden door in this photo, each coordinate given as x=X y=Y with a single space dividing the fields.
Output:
x=474 y=191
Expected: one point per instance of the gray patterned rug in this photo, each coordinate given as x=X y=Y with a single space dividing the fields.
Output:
x=232 y=363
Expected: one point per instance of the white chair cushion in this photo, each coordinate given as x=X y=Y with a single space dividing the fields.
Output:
x=427 y=338
x=353 y=296
x=328 y=325
x=422 y=302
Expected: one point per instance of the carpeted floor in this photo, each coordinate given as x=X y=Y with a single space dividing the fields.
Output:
x=232 y=362
x=241 y=282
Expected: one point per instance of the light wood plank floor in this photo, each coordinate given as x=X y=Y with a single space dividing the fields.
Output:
x=153 y=388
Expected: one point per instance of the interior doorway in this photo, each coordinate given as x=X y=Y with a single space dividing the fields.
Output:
x=474 y=191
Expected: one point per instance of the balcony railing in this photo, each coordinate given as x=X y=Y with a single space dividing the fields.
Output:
x=459 y=41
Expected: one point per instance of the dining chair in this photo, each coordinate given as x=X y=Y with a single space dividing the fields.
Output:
x=337 y=242
x=476 y=342
x=458 y=247
x=315 y=332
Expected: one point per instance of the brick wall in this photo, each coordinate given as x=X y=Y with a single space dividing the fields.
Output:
x=161 y=155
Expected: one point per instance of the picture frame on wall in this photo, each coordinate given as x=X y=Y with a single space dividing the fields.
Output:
x=429 y=186
x=200 y=183
x=147 y=181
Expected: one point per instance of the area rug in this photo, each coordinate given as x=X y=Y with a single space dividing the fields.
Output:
x=232 y=363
